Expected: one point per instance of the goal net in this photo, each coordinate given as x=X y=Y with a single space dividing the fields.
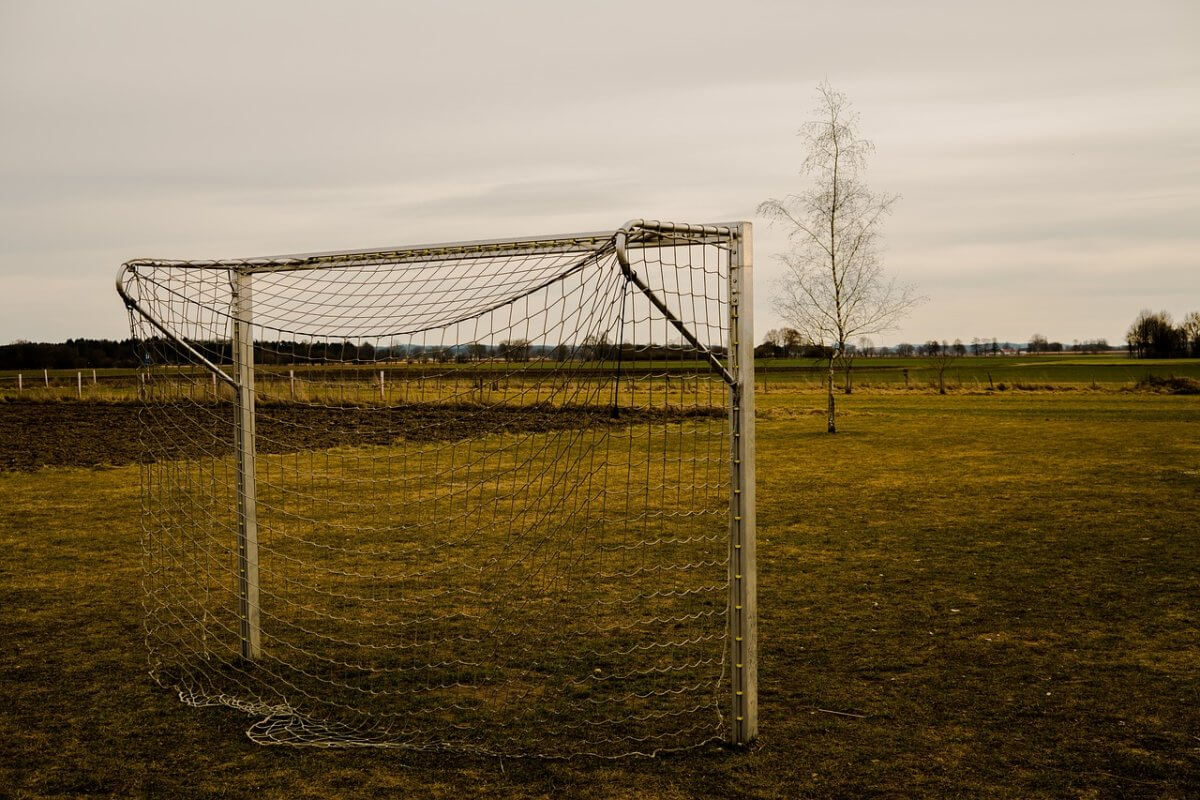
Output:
x=493 y=497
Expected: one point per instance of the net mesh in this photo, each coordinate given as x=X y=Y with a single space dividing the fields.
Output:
x=492 y=489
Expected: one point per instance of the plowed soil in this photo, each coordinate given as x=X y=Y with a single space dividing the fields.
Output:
x=70 y=433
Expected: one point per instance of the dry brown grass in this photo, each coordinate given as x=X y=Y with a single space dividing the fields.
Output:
x=1002 y=590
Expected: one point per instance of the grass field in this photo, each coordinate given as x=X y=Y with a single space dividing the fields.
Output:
x=975 y=595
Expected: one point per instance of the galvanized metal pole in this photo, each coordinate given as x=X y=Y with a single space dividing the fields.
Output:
x=247 y=494
x=743 y=573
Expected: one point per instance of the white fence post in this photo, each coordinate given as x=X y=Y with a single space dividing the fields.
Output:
x=743 y=568
x=79 y=384
x=46 y=377
x=292 y=383
x=20 y=382
x=93 y=377
x=382 y=399
x=247 y=494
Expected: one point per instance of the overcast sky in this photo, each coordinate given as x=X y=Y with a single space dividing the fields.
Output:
x=1047 y=153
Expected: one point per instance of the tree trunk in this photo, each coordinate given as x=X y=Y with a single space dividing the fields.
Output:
x=849 y=386
x=942 y=382
x=832 y=419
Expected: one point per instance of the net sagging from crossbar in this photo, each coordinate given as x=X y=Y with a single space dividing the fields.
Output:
x=491 y=491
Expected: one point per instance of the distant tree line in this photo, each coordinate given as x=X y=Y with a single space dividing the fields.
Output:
x=1155 y=335
x=71 y=354
x=1152 y=335
x=130 y=353
x=789 y=343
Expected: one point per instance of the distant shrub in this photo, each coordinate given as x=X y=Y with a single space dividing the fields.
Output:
x=1024 y=386
x=1168 y=385
x=1001 y=386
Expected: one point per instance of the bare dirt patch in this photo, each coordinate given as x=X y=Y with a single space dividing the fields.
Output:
x=87 y=434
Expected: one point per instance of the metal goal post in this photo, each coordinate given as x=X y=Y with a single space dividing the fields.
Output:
x=735 y=365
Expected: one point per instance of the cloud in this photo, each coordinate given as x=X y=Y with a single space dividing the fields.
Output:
x=1054 y=144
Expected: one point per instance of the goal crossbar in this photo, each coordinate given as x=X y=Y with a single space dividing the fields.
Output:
x=633 y=235
x=640 y=234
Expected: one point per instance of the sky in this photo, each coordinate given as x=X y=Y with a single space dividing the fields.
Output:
x=1047 y=154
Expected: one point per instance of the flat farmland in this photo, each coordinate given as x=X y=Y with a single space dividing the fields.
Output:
x=360 y=382
x=980 y=373
x=983 y=594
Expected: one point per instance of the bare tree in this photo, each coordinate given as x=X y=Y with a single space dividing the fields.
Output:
x=1154 y=335
x=844 y=361
x=793 y=342
x=514 y=349
x=597 y=348
x=1191 y=333
x=834 y=288
x=943 y=357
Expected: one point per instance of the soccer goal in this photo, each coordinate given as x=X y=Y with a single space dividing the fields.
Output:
x=491 y=496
